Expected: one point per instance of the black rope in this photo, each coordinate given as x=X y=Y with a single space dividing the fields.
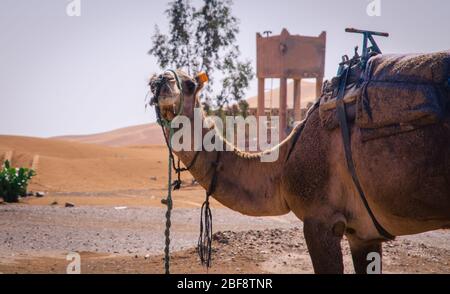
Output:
x=204 y=247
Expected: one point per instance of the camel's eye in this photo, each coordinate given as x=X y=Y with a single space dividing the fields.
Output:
x=190 y=86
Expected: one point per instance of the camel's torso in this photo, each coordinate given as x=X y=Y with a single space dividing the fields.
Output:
x=405 y=176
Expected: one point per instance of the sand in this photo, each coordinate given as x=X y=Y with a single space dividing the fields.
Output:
x=74 y=167
x=272 y=97
x=37 y=239
x=147 y=134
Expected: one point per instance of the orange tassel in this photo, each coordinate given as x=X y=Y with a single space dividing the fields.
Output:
x=202 y=77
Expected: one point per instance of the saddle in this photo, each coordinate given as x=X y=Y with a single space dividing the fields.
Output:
x=384 y=95
x=391 y=94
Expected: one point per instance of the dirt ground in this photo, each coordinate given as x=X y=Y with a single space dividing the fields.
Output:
x=36 y=238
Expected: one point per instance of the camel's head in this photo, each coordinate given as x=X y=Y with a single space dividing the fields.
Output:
x=175 y=93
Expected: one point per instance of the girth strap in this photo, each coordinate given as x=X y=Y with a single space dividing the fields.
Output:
x=342 y=117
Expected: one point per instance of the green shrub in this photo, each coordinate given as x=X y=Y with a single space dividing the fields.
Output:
x=14 y=182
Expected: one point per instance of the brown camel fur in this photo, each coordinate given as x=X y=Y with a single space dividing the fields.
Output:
x=406 y=179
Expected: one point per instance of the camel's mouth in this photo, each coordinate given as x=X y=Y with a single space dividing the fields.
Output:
x=168 y=105
x=168 y=100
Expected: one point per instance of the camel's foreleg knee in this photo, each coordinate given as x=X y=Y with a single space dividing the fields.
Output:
x=323 y=239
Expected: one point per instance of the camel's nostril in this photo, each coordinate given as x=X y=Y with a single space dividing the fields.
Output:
x=166 y=92
x=167 y=88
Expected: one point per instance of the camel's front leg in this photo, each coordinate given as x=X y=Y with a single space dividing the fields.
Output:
x=324 y=244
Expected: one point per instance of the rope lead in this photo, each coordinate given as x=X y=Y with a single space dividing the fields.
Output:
x=205 y=239
x=204 y=247
x=169 y=204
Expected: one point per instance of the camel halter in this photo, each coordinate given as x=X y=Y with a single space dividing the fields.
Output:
x=204 y=245
x=159 y=84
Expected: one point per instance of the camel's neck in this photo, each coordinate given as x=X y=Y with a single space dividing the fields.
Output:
x=244 y=183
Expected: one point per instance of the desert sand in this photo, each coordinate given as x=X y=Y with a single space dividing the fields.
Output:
x=272 y=96
x=146 y=134
x=70 y=166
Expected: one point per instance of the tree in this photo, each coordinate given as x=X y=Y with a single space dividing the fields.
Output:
x=203 y=39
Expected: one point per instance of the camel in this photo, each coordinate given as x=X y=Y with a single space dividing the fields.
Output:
x=406 y=179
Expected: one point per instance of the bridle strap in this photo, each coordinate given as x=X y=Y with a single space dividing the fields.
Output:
x=167 y=124
x=162 y=121
x=346 y=138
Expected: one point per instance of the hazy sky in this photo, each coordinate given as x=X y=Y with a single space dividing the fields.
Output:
x=76 y=75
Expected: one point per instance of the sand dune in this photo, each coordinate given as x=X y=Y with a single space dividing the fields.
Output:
x=71 y=166
x=272 y=98
x=147 y=134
